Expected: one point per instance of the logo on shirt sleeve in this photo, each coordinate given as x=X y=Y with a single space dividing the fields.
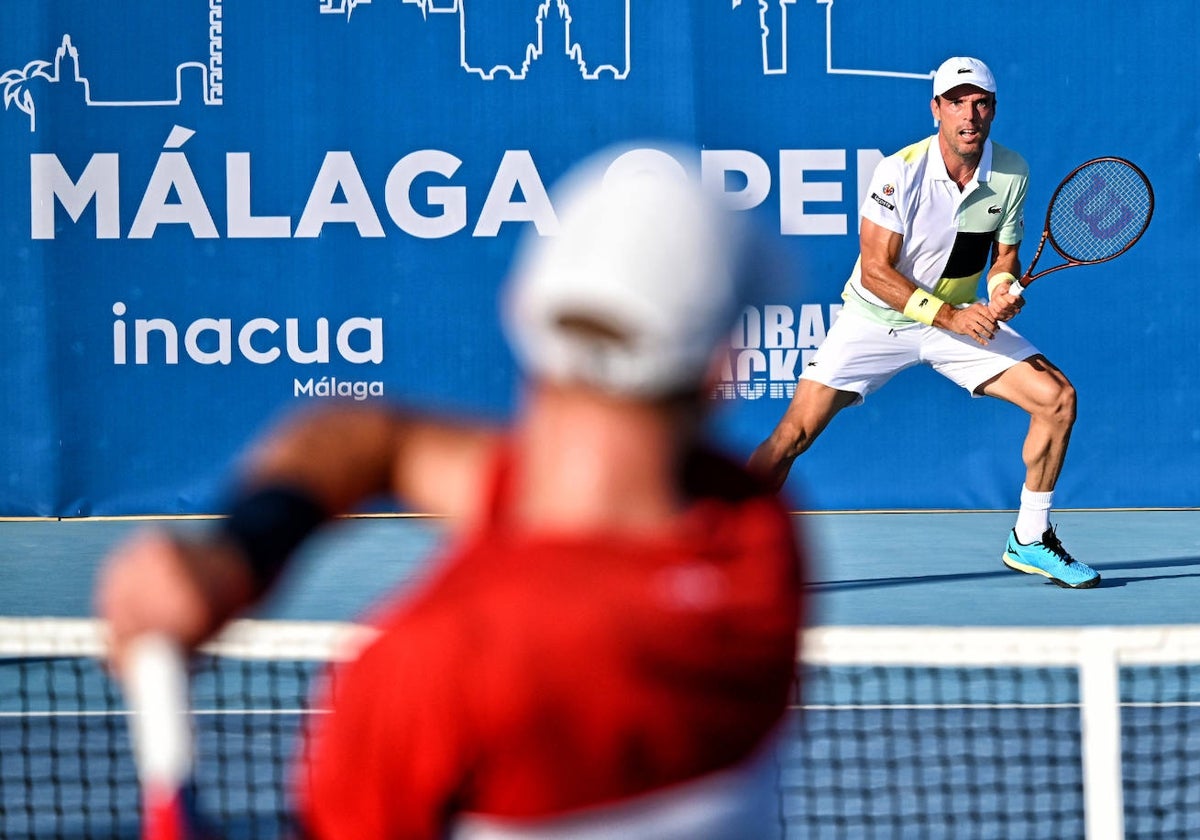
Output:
x=887 y=190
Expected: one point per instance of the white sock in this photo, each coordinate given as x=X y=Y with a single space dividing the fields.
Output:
x=1034 y=516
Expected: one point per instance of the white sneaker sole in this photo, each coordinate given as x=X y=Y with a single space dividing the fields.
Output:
x=1007 y=559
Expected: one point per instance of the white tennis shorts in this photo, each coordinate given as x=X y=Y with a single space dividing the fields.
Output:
x=861 y=355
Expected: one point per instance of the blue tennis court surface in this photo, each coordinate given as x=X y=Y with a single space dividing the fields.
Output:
x=945 y=569
x=876 y=569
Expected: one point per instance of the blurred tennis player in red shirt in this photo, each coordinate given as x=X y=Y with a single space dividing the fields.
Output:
x=607 y=643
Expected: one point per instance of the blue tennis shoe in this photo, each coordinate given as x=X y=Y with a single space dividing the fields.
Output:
x=1048 y=557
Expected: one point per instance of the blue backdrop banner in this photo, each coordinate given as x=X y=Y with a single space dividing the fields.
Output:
x=214 y=211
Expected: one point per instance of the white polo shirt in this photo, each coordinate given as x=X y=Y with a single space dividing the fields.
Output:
x=948 y=233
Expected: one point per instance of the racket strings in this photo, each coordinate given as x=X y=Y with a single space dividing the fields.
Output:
x=1100 y=211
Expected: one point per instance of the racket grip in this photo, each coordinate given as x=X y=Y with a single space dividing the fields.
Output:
x=156 y=687
x=1016 y=288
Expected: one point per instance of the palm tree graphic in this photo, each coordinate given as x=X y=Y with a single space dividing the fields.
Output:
x=17 y=93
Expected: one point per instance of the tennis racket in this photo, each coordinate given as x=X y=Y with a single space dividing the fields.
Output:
x=1096 y=214
x=156 y=687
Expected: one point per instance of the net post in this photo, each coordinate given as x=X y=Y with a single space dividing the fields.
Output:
x=1100 y=719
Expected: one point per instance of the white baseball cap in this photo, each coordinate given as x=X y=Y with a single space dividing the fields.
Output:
x=647 y=254
x=963 y=71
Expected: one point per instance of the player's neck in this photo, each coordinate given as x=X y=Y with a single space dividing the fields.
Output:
x=961 y=171
x=588 y=462
x=960 y=167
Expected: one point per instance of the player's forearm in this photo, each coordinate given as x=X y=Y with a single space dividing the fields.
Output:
x=338 y=455
x=315 y=466
x=1006 y=265
x=888 y=284
x=344 y=455
x=903 y=295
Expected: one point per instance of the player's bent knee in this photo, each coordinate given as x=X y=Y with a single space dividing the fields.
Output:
x=1056 y=404
x=1064 y=399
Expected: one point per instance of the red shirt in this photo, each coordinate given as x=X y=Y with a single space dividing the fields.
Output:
x=535 y=675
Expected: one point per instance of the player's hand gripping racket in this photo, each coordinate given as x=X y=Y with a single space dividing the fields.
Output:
x=156 y=686
x=1096 y=214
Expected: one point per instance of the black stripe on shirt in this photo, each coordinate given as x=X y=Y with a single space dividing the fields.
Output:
x=970 y=253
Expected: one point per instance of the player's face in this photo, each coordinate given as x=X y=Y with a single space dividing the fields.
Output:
x=964 y=116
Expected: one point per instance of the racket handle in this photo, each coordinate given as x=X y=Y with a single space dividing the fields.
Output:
x=156 y=687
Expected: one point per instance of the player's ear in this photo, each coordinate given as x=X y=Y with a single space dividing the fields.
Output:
x=935 y=109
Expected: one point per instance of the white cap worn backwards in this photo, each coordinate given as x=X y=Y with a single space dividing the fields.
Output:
x=640 y=286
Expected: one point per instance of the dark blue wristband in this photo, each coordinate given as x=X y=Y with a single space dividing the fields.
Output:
x=268 y=523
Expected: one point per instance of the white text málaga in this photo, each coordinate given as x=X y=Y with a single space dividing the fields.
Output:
x=339 y=194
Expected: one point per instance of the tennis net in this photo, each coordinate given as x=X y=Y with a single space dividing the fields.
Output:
x=66 y=766
x=996 y=733
x=897 y=732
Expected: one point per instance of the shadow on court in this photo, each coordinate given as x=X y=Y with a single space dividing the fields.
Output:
x=1168 y=563
x=908 y=580
x=1109 y=578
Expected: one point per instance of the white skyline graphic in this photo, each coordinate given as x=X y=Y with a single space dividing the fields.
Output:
x=580 y=43
x=202 y=73
x=595 y=39
x=773 y=29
